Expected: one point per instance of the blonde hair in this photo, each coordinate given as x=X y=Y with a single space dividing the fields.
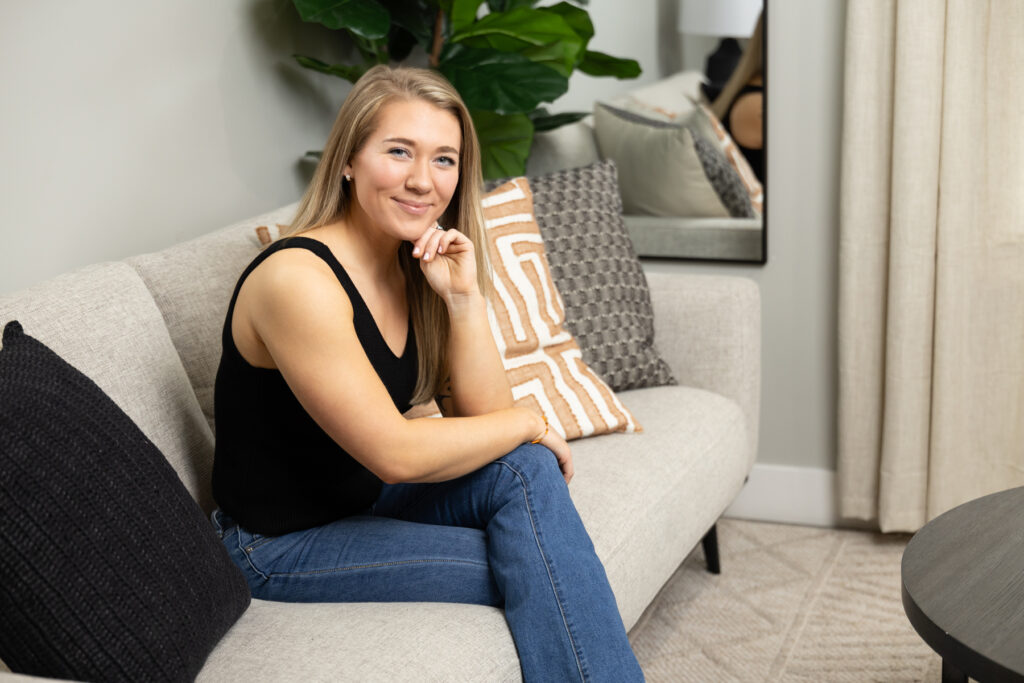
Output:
x=751 y=64
x=327 y=198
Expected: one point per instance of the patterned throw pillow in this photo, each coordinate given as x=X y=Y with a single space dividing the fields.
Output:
x=705 y=121
x=542 y=360
x=607 y=302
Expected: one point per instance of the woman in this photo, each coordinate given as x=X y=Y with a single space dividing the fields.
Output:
x=365 y=307
x=740 y=105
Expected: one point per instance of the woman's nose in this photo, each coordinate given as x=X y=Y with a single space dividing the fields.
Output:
x=419 y=177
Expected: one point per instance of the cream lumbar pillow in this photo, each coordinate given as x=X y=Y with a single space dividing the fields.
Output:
x=542 y=359
x=660 y=171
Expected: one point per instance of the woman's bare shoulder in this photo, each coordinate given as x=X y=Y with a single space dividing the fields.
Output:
x=290 y=271
x=290 y=284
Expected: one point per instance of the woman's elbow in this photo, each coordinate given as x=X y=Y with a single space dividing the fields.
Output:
x=391 y=475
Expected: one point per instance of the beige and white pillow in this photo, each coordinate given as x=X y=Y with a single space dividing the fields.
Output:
x=265 y=234
x=705 y=121
x=541 y=358
x=660 y=171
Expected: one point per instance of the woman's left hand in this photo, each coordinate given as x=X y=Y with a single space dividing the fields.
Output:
x=448 y=261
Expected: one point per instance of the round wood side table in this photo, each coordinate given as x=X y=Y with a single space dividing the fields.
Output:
x=963 y=588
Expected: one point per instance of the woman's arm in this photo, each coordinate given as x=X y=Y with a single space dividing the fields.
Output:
x=304 y=319
x=477 y=383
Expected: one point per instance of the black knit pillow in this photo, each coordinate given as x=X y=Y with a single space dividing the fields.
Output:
x=593 y=263
x=108 y=569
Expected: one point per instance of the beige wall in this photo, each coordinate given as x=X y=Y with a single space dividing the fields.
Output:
x=799 y=283
x=129 y=126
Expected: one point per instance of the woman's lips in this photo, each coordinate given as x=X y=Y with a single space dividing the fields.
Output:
x=415 y=208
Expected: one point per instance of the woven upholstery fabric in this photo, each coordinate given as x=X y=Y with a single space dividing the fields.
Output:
x=542 y=360
x=108 y=568
x=102 y=320
x=192 y=282
x=607 y=302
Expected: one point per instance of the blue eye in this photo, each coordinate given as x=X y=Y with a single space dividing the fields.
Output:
x=398 y=151
x=447 y=161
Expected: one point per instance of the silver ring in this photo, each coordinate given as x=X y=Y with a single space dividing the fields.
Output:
x=438 y=226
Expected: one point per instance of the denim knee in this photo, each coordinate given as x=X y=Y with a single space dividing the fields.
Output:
x=533 y=462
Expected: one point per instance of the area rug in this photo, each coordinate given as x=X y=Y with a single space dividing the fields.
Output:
x=792 y=604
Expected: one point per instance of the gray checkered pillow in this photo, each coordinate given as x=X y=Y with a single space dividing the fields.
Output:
x=595 y=268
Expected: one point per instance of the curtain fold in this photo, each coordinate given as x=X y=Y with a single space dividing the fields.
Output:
x=931 y=286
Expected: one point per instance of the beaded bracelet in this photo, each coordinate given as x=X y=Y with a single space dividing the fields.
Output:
x=538 y=439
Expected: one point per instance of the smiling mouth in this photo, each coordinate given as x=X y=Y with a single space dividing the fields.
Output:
x=415 y=208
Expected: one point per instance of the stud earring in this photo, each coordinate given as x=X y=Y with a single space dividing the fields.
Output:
x=348 y=177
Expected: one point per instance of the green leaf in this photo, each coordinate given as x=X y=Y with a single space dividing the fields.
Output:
x=366 y=18
x=415 y=16
x=463 y=13
x=600 y=64
x=543 y=121
x=543 y=37
x=578 y=19
x=506 y=5
x=501 y=82
x=350 y=72
x=505 y=142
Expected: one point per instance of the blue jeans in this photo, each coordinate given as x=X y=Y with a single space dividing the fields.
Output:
x=507 y=534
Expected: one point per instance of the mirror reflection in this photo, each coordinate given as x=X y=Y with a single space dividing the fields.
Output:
x=723 y=49
x=689 y=148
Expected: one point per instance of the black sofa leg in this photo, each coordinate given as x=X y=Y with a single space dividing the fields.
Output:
x=710 y=545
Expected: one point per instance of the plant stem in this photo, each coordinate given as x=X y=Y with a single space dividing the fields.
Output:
x=435 y=50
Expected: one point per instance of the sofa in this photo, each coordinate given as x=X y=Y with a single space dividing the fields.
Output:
x=147 y=331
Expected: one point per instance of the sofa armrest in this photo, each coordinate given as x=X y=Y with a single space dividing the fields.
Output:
x=708 y=329
x=738 y=239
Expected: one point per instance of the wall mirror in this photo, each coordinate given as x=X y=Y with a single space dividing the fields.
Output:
x=722 y=50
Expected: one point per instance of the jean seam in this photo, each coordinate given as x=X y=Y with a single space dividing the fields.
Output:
x=248 y=559
x=547 y=567
x=378 y=565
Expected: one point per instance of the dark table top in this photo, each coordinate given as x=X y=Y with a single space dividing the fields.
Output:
x=963 y=586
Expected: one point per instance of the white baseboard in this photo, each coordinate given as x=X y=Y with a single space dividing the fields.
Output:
x=787 y=494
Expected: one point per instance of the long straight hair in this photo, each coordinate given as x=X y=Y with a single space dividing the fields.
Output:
x=751 y=64
x=329 y=198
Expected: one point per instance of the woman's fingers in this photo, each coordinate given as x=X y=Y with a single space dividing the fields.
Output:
x=422 y=246
x=452 y=241
x=557 y=445
x=438 y=242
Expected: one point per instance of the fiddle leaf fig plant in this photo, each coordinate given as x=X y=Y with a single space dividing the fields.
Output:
x=505 y=62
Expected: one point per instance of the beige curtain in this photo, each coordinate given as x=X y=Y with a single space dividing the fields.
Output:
x=931 y=293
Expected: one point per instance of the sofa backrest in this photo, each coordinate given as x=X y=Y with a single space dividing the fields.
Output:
x=192 y=283
x=102 y=320
x=569 y=146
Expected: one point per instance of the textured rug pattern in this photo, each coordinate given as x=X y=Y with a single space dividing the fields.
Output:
x=793 y=604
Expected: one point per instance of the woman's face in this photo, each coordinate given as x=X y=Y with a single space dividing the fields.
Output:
x=406 y=172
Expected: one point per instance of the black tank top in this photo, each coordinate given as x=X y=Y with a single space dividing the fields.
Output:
x=275 y=470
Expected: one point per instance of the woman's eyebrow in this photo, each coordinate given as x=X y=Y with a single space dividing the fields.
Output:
x=409 y=143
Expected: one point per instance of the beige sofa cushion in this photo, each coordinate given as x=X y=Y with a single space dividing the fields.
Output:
x=102 y=320
x=637 y=496
x=192 y=283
